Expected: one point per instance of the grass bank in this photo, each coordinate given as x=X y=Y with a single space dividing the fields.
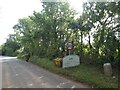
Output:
x=82 y=73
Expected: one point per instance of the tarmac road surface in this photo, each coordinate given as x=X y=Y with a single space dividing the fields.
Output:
x=21 y=74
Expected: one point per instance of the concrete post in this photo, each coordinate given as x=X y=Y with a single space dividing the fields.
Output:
x=107 y=69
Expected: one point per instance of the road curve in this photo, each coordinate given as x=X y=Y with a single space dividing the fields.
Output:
x=21 y=74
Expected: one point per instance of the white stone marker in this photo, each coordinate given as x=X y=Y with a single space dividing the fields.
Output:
x=70 y=61
x=107 y=69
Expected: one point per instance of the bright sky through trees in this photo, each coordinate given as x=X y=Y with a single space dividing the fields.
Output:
x=12 y=10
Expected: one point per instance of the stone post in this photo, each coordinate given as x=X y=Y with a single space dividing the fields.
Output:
x=107 y=69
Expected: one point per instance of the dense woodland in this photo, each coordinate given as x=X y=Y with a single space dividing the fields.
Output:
x=45 y=33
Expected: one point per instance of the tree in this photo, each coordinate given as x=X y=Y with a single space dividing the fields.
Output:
x=46 y=32
x=42 y=33
x=102 y=17
x=10 y=47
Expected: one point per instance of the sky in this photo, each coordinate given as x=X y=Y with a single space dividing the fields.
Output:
x=12 y=10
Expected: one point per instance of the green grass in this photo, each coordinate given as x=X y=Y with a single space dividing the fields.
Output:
x=82 y=73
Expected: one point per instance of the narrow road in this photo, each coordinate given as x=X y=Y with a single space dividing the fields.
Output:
x=21 y=74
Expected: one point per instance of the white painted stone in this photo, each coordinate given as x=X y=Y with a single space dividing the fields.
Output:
x=70 y=61
x=107 y=69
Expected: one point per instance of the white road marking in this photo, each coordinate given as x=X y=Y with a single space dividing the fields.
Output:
x=30 y=84
x=16 y=74
x=73 y=86
x=40 y=77
x=11 y=86
x=43 y=84
x=59 y=85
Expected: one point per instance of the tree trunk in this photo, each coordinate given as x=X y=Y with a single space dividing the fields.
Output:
x=81 y=48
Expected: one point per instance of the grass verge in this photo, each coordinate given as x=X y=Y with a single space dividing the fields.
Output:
x=82 y=73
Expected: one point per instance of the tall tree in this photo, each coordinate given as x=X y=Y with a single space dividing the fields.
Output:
x=103 y=18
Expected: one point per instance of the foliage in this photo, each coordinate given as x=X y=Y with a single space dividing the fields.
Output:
x=45 y=33
x=102 y=19
x=10 y=47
